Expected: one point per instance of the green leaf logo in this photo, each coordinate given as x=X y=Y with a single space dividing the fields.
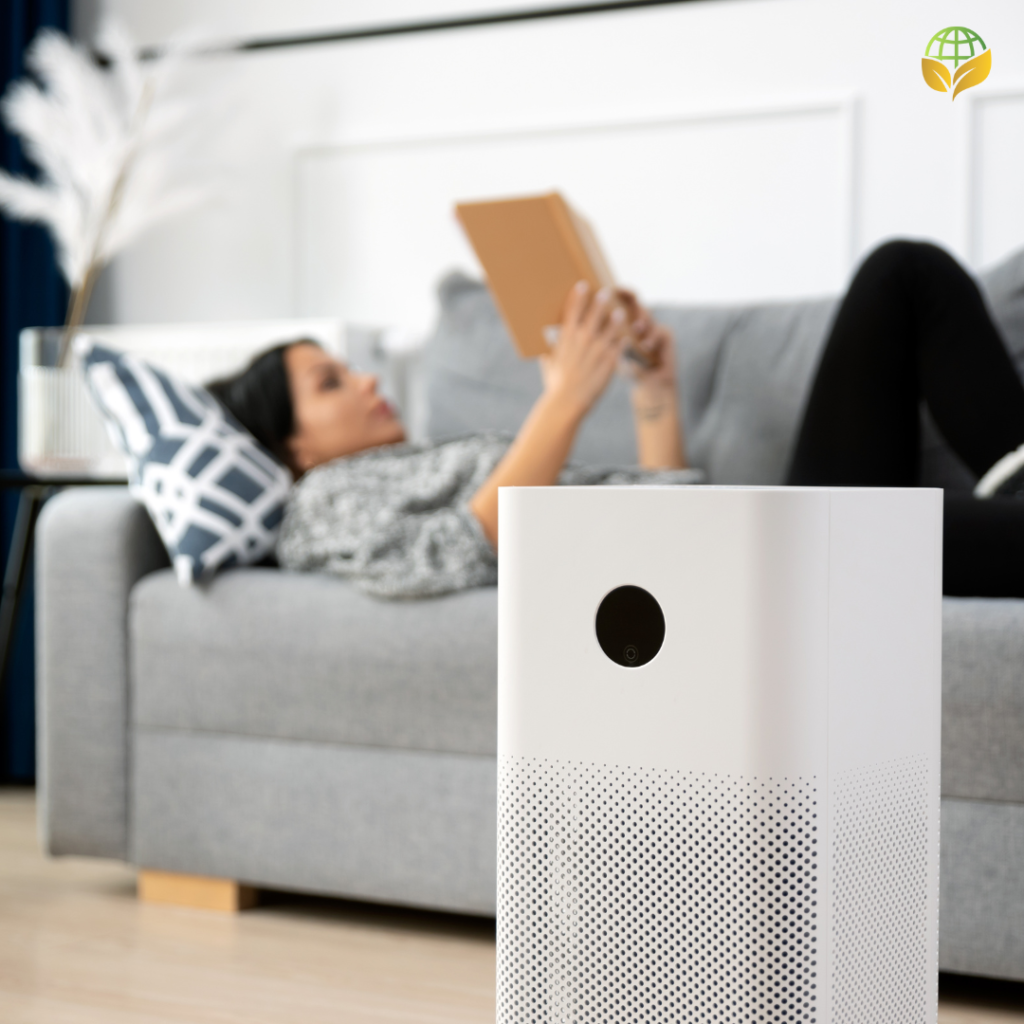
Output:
x=965 y=50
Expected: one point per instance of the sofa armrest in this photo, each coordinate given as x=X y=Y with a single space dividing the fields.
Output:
x=92 y=545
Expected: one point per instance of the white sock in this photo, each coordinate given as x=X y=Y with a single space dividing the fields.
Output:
x=1000 y=473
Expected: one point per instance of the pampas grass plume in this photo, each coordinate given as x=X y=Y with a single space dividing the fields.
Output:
x=113 y=146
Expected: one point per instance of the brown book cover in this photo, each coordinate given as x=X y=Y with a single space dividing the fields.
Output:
x=533 y=250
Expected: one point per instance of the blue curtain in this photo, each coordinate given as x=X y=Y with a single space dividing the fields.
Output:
x=32 y=293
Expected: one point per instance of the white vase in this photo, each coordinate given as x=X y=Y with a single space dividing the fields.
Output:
x=60 y=431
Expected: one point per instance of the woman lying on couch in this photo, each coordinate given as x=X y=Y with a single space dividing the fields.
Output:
x=412 y=521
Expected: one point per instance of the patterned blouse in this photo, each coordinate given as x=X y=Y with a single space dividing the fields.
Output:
x=396 y=519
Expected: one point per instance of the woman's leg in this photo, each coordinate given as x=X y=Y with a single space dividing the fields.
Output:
x=913 y=326
x=983 y=547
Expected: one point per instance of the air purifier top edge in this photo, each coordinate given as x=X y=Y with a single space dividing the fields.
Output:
x=801 y=627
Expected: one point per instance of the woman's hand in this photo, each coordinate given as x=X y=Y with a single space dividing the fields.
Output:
x=576 y=372
x=595 y=331
x=594 y=334
x=655 y=394
x=651 y=383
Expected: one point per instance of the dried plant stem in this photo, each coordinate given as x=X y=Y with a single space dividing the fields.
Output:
x=77 y=306
x=79 y=301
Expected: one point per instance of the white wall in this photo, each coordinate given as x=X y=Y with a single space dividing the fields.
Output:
x=724 y=149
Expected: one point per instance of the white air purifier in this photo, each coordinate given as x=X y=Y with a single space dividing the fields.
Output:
x=719 y=714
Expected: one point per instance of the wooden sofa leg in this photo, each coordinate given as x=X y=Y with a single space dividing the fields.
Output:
x=195 y=891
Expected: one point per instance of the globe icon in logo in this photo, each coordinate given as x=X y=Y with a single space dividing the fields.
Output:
x=965 y=51
x=956 y=44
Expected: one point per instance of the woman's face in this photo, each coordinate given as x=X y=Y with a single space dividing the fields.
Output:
x=337 y=412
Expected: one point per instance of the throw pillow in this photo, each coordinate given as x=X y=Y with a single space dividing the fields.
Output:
x=215 y=495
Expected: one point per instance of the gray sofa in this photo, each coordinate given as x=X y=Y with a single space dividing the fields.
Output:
x=286 y=731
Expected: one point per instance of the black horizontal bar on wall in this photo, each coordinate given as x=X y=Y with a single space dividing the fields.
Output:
x=443 y=24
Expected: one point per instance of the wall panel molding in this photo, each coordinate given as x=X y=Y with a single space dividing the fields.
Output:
x=785 y=222
x=993 y=154
x=785 y=139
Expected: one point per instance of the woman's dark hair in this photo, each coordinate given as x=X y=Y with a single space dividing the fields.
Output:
x=260 y=400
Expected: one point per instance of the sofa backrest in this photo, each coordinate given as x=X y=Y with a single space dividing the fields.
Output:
x=744 y=375
x=745 y=372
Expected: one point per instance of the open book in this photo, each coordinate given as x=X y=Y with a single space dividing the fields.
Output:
x=533 y=250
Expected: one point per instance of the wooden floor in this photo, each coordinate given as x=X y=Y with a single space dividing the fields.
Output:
x=77 y=948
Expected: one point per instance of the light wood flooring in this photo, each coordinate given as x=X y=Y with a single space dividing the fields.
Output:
x=77 y=948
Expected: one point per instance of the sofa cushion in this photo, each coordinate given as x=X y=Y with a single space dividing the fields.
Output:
x=744 y=370
x=473 y=380
x=742 y=423
x=983 y=699
x=305 y=656
x=738 y=431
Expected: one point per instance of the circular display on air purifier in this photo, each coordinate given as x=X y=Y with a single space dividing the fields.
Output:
x=630 y=626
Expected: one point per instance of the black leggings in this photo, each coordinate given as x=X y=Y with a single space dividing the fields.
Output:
x=914 y=328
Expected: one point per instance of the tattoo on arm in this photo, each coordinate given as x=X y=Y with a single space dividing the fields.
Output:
x=651 y=412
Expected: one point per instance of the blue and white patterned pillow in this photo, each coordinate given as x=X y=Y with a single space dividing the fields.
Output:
x=214 y=493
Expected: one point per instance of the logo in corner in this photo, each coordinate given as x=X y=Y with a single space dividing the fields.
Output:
x=961 y=50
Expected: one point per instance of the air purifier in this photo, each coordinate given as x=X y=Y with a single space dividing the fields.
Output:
x=719 y=714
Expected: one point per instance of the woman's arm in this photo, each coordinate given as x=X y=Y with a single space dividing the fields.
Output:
x=655 y=394
x=576 y=373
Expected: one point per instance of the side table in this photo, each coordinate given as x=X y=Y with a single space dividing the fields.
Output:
x=34 y=492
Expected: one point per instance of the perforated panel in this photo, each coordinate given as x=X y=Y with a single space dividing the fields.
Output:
x=882 y=944
x=635 y=895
